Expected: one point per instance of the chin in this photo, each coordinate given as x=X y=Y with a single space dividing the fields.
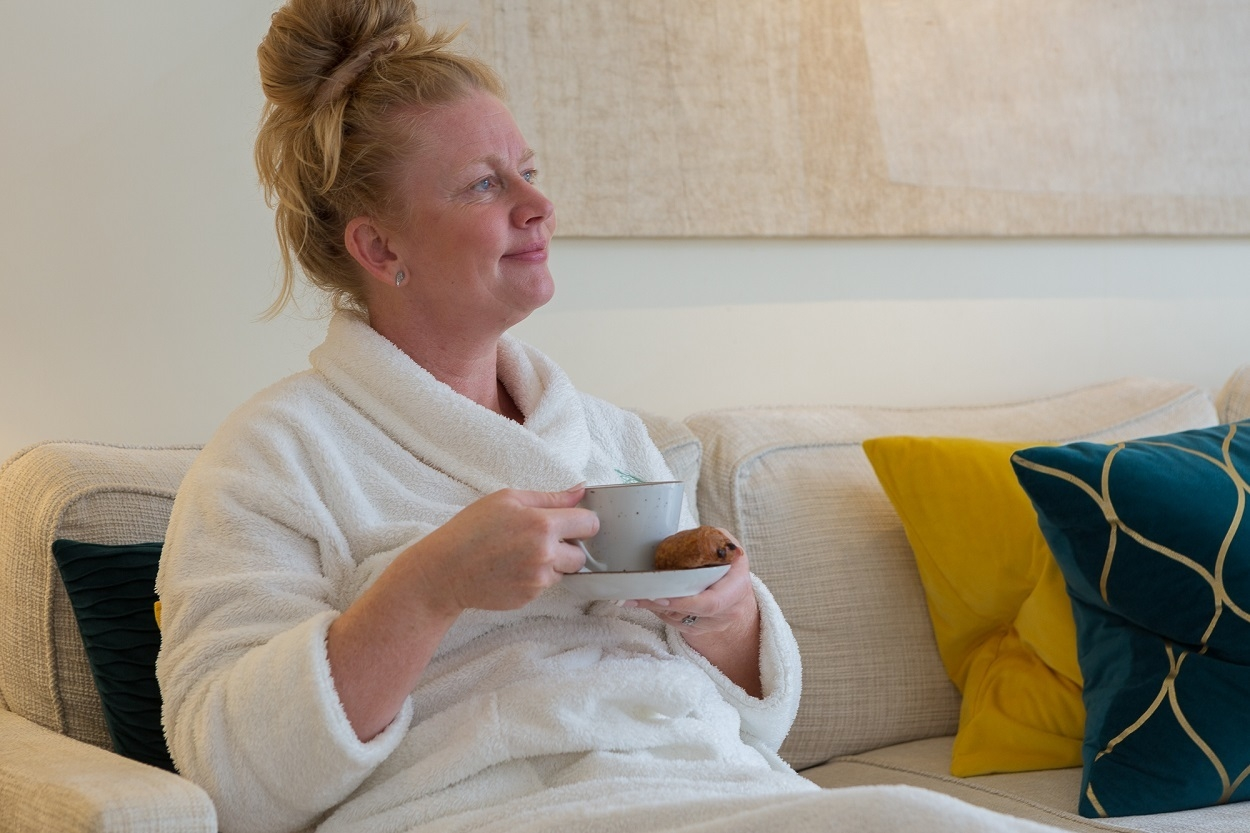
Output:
x=538 y=290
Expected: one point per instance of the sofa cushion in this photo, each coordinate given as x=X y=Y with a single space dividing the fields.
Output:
x=86 y=492
x=1232 y=402
x=996 y=597
x=113 y=592
x=795 y=487
x=1150 y=538
x=1048 y=796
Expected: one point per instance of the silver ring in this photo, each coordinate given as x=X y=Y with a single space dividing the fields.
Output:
x=690 y=619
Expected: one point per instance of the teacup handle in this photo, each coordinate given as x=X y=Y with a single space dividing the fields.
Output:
x=590 y=559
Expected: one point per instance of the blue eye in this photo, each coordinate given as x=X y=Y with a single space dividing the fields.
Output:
x=482 y=184
x=530 y=175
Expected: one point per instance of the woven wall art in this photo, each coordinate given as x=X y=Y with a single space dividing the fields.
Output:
x=833 y=118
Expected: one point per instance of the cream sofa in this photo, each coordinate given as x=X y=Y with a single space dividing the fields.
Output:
x=792 y=482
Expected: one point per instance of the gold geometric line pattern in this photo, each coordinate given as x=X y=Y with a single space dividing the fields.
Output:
x=1170 y=684
x=1173 y=668
x=1215 y=580
x=1108 y=512
x=1237 y=781
x=1093 y=800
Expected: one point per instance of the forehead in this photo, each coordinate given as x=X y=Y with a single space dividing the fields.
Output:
x=469 y=130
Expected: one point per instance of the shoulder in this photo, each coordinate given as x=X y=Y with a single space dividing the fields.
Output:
x=294 y=403
x=277 y=428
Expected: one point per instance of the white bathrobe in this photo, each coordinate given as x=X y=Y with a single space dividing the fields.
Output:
x=563 y=715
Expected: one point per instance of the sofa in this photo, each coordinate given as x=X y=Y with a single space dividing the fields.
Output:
x=793 y=483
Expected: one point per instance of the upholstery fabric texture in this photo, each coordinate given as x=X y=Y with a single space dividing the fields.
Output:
x=112 y=591
x=1048 y=795
x=1232 y=402
x=88 y=492
x=1150 y=538
x=795 y=481
x=996 y=597
x=50 y=783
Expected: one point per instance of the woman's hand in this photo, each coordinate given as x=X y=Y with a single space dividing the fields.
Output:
x=722 y=623
x=498 y=553
x=503 y=550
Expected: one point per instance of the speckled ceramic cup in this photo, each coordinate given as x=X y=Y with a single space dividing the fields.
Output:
x=633 y=519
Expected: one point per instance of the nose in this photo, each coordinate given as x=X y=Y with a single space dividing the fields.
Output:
x=532 y=206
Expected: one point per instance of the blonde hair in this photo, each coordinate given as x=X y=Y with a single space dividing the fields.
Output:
x=341 y=80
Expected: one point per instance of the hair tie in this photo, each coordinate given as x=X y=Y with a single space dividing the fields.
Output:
x=346 y=73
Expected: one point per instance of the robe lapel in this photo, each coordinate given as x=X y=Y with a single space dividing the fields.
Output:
x=451 y=433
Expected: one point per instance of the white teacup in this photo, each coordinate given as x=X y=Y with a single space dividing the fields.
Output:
x=633 y=519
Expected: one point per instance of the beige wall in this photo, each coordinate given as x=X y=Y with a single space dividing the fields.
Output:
x=135 y=255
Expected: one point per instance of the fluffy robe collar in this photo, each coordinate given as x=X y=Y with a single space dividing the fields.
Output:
x=448 y=431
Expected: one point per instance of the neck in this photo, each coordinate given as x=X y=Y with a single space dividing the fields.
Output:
x=469 y=366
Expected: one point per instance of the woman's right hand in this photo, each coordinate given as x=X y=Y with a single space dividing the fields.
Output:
x=503 y=550
x=498 y=553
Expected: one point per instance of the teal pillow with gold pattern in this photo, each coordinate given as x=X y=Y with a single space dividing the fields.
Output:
x=1154 y=544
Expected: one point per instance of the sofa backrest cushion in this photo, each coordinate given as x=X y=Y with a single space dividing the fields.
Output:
x=794 y=485
x=1232 y=403
x=85 y=492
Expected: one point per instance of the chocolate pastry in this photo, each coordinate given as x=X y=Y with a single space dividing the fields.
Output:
x=702 y=546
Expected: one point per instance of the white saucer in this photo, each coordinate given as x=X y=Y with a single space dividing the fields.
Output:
x=658 y=584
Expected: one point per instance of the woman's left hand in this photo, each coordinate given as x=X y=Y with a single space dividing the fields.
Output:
x=722 y=623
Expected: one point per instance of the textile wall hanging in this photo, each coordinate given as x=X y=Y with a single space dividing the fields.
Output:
x=707 y=118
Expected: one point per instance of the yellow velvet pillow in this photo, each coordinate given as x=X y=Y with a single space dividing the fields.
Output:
x=997 y=599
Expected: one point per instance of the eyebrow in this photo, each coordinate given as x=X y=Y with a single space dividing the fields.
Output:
x=489 y=161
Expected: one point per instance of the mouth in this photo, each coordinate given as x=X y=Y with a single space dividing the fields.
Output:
x=532 y=253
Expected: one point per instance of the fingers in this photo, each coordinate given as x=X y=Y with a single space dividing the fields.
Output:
x=566 y=522
x=716 y=608
x=548 y=500
x=504 y=549
x=573 y=523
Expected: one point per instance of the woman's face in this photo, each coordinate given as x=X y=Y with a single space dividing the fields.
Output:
x=474 y=245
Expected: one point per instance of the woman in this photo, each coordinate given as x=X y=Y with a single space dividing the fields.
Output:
x=364 y=627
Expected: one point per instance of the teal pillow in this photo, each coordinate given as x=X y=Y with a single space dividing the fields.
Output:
x=112 y=590
x=1154 y=546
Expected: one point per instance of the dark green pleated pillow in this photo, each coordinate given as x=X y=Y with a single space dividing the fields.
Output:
x=112 y=590
x=1153 y=540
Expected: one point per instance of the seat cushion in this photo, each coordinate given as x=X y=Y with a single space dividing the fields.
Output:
x=1047 y=796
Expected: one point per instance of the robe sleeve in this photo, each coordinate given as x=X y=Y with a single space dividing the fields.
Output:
x=766 y=720
x=250 y=582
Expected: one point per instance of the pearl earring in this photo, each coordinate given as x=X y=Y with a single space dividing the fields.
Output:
x=399 y=278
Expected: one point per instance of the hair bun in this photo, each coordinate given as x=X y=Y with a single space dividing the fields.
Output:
x=346 y=73
x=316 y=49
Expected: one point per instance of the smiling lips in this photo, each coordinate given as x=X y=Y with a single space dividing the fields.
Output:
x=533 y=253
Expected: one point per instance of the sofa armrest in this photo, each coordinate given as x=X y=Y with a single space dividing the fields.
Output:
x=52 y=782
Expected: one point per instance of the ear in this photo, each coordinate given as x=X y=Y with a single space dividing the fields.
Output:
x=370 y=246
